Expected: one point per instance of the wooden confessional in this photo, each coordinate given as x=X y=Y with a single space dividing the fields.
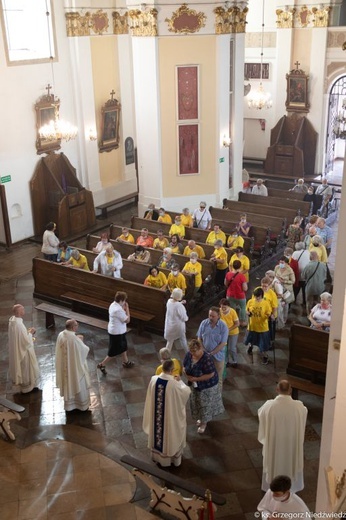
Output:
x=292 y=149
x=58 y=196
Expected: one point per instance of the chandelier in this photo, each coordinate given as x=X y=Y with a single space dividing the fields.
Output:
x=57 y=129
x=260 y=99
x=339 y=129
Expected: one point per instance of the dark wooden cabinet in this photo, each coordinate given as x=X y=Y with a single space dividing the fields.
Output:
x=58 y=196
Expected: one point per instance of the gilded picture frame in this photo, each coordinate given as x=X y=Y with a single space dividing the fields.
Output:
x=47 y=109
x=297 y=91
x=110 y=125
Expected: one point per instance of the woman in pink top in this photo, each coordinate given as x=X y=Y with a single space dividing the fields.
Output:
x=236 y=285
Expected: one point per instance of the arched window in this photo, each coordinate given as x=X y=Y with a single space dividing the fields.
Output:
x=336 y=130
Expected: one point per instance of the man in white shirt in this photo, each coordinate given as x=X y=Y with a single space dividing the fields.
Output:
x=281 y=431
x=24 y=369
x=280 y=499
x=164 y=419
x=72 y=374
x=260 y=189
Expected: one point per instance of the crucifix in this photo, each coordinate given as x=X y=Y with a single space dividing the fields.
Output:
x=297 y=64
x=112 y=94
x=49 y=88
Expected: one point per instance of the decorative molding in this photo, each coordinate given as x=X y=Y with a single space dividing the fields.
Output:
x=336 y=489
x=99 y=22
x=304 y=16
x=336 y=39
x=143 y=23
x=285 y=18
x=231 y=20
x=120 y=23
x=78 y=24
x=185 y=20
x=253 y=39
x=321 y=16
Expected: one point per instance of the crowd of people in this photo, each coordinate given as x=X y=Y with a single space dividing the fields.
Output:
x=198 y=377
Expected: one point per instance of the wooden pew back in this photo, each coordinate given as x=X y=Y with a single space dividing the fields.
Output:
x=52 y=281
x=285 y=194
x=134 y=271
x=276 y=224
x=281 y=205
x=307 y=344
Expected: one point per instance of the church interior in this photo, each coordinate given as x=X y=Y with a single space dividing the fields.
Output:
x=164 y=103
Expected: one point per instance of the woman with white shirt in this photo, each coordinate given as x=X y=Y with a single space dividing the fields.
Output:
x=110 y=262
x=119 y=316
x=50 y=246
x=201 y=217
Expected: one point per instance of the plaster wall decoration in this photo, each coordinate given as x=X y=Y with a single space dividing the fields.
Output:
x=78 y=24
x=231 y=20
x=304 y=16
x=99 y=22
x=321 y=16
x=336 y=489
x=336 y=39
x=254 y=39
x=120 y=23
x=185 y=20
x=143 y=23
x=285 y=18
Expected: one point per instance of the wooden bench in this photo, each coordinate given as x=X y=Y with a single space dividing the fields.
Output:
x=198 y=235
x=52 y=310
x=256 y=160
x=232 y=211
x=107 y=205
x=308 y=353
x=172 y=502
x=287 y=207
x=303 y=385
x=285 y=194
x=84 y=302
x=52 y=281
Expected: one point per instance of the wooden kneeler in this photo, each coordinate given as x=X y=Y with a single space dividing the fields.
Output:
x=11 y=411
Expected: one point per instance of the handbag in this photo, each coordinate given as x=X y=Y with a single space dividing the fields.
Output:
x=286 y=295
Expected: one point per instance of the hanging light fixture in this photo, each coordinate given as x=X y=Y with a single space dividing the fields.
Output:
x=260 y=99
x=56 y=129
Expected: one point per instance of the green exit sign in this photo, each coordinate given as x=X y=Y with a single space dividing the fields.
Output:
x=5 y=178
x=222 y=159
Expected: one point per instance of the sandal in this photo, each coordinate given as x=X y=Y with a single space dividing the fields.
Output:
x=128 y=364
x=102 y=368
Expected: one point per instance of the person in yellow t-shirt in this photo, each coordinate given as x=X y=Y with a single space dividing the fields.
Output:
x=243 y=259
x=186 y=218
x=316 y=244
x=164 y=355
x=161 y=241
x=77 y=261
x=177 y=228
x=217 y=234
x=164 y=217
x=194 y=267
x=156 y=278
x=219 y=257
x=192 y=247
x=272 y=299
x=176 y=280
x=235 y=240
x=259 y=311
x=230 y=317
x=125 y=236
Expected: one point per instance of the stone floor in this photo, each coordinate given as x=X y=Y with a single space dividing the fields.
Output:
x=226 y=459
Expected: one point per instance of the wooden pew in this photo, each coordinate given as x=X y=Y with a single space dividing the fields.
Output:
x=134 y=271
x=199 y=235
x=53 y=281
x=233 y=209
x=268 y=232
x=308 y=353
x=285 y=194
x=280 y=185
x=283 y=204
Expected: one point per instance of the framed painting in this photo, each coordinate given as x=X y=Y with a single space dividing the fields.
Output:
x=253 y=70
x=188 y=149
x=297 y=91
x=110 y=125
x=47 y=110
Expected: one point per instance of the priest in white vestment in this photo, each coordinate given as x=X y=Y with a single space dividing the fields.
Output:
x=281 y=431
x=72 y=374
x=164 y=419
x=23 y=364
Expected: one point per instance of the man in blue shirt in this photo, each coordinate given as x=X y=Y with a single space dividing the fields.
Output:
x=326 y=233
x=213 y=333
